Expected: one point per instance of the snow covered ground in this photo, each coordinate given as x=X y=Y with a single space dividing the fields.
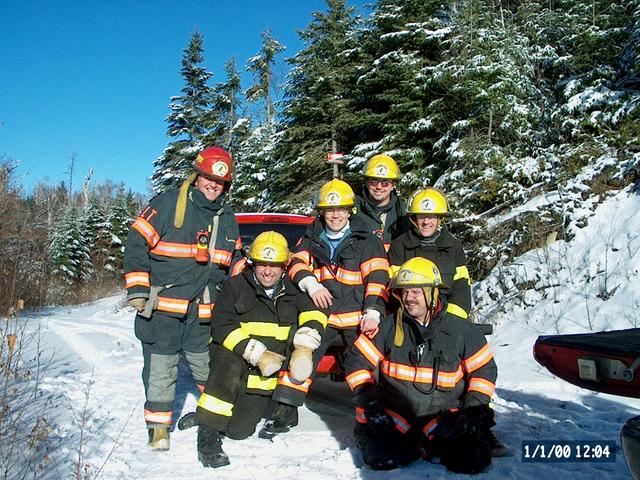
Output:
x=95 y=364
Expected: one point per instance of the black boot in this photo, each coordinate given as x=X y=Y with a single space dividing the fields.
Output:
x=282 y=419
x=210 y=451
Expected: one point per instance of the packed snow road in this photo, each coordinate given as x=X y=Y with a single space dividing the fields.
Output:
x=93 y=380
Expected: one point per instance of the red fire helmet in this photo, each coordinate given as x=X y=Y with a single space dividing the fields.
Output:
x=214 y=163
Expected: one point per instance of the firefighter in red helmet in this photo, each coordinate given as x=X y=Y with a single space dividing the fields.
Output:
x=177 y=253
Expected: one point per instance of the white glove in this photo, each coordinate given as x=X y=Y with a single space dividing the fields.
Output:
x=307 y=337
x=320 y=295
x=301 y=364
x=253 y=351
x=370 y=320
x=270 y=362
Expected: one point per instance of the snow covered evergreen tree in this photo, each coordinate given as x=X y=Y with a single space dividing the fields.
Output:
x=316 y=109
x=189 y=121
x=261 y=66
x=70 y=251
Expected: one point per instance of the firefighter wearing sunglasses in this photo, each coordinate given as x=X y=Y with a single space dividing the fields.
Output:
x=435 y=378
x=380 y=206
x=427 y=237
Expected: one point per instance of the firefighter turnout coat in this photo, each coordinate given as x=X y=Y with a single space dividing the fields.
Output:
x=445 y=365
x=447 y=253
x=357 y=276
x=160 y=255
x=387 y=222
x=243 y=312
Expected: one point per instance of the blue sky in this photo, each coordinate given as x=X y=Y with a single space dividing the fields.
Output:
x=95 y=78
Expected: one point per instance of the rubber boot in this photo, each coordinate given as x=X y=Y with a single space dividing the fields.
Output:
x=210 y=451
x=282 y=419
x=301 y=364
x=159 y=439
x=497 y=448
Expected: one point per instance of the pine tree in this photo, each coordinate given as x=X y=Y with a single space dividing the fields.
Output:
x=229 y=128
x=70 y=251
x=316 y=110
x=261 y=65
x=189 y=122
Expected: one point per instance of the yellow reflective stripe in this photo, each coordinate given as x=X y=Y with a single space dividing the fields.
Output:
x=312 y=315
x=234 y=338
x=456 y=310
x=265 y=329
x=215 y=405
x=261 y=383
x=462 y=272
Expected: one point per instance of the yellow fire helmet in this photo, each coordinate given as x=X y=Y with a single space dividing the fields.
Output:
x=428 y=201
x=336 y=193
x=381 y=166
x=417 y=272
x=269 y=247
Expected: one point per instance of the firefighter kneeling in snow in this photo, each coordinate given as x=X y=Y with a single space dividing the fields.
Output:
x=259 y=313
x=436 y=378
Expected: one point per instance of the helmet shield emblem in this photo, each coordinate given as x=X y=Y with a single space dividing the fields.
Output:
x=269 y=253
x=427 y=205
x=381 y=171
x=219 y=169
x=334 y=198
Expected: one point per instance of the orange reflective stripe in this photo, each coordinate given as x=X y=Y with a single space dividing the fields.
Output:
x=377 y=289
x=286 y=381
x=163 y=418
x=369 y=350
x=239 y=267
x=344 y=320
x=348 y=277
x=421 y=374
x=204 y=310
x=221 y=257
x=376 y=263
x=147 y=231
x=387 y=246
x=360 y=416
x=481 y=385
x=430 y=427
x=299 y=267
x=135 y=279
x=303 y=255
x=401 y=423
x=178 y=250
x=174 y=305
x=477 y=360
x=359 y=377
x=239 y=243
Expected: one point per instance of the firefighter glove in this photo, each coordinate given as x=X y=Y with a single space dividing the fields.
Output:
x=307 y=337
x=138 y=303
x=370 y=320
x=301 y=364
x=377 y=418
x=269 y=363
x=453 y=424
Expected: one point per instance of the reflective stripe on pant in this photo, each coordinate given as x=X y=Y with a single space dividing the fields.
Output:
x=168 y=337
x=225 y=406
x=159 y=375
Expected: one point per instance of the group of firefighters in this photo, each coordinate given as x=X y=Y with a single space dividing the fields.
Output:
x=385 y=278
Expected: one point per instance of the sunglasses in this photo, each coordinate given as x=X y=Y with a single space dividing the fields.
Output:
x=382 y=183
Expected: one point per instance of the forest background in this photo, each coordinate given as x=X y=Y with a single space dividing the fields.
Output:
x=493 y=101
